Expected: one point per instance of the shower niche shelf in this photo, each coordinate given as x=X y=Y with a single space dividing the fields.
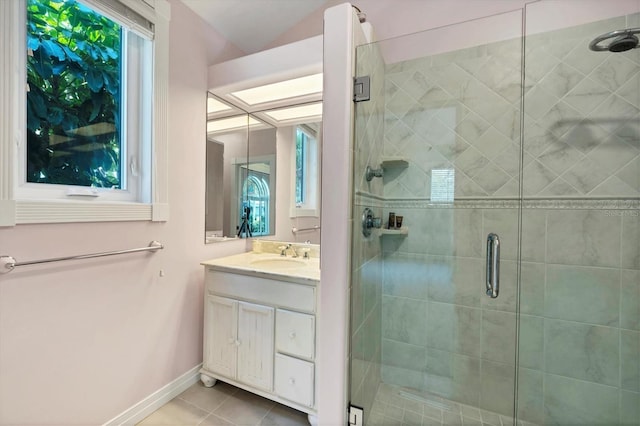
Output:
x=402 y=231
x=394 y=162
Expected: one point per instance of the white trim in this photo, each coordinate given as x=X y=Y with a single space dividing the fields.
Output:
x=151 y=403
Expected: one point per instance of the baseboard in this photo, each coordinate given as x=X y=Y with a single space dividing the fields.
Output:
x=142 y=409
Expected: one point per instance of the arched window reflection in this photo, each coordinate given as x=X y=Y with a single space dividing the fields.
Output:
x=255 y=195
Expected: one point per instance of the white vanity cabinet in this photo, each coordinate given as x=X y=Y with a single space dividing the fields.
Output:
x=260 y=335
x=243 y=333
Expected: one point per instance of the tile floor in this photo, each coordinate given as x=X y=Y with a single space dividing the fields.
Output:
x=223 y=405
x=396 y=406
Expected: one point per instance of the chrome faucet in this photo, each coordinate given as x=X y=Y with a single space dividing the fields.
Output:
x=283 y=250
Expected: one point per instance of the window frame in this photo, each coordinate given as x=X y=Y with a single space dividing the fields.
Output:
x=311 y=178
x=15 y=208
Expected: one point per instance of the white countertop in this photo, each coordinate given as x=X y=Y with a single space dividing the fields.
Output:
x=269 y=265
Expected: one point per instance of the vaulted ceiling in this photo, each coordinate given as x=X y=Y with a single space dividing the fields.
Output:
x=253 y=24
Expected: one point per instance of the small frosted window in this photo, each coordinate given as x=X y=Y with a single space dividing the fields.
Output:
x=442 y=185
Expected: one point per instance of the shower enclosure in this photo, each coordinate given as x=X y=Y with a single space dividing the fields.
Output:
x=513 y=157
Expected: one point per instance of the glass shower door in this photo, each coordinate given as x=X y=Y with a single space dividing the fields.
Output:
x=579 y=339
x=440 y=137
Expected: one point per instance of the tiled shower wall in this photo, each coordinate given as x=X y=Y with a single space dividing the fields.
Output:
x=579 y=351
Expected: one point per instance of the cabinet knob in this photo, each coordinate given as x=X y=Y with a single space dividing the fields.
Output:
x=292 y=335
x=292 y=381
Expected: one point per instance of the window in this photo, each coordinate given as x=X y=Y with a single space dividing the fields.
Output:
x=94 y=110
x=442 y=185
x=306 y=170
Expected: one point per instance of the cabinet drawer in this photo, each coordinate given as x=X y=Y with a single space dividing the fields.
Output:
x=294 y=380
x=295 y=333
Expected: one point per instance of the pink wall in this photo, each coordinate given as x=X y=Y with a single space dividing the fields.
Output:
x=80 y=342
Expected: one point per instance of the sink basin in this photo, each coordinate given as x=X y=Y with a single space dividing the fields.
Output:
x=278 y=263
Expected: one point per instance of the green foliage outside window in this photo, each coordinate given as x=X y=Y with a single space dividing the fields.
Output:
x=73 y=104
x=301 y=143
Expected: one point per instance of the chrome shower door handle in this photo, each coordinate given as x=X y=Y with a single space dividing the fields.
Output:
x=493 y=265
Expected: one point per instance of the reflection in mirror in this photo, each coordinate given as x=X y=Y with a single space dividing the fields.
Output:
x=226 y=164
x=250 y=161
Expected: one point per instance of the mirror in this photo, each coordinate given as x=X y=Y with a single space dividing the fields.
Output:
x=262 y=173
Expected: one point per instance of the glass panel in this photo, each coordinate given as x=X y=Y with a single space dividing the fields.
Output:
x=226 y=158
x=579 y=334
x=428 y=346
x=74 y=102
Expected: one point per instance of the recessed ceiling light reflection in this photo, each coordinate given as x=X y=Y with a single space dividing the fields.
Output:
x=296 y=112
x=233 y=123
x=308 y=85
x=214 y=105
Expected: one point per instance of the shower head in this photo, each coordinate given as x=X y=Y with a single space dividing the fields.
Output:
x=623 y=40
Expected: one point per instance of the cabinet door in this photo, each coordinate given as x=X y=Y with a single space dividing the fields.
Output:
x=221 y=338
x=255 y=352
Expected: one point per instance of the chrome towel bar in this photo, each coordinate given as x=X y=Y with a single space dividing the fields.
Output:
x=313 y=228
x=8 y=263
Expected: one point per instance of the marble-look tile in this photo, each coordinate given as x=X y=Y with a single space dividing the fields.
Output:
x=560 y=80
x=405 y=275
x=630 y=360
x=614 y=72
x=371 y=283
x=630 y=174
x=630 y=91
x=509 y=160
x=356 y=298
x=453 y=328
x=467 y=234
x=587 y=95
x=613 y=187
x=499 y=336
x=536 y=177
x=531 y=342
x=560 y=188
x=491 y=178
x=532 y=288
x=613 y=153
x=613 y=106
x=629 y=408
x=630 y=239
x=630 y=299
x=585 y=175
x=455 y=280
x=537 y=102
x=403 y=355
x=583 y=237
x=453 y=376
x=404 y=320
x=483 y=101
x=244 y=408
x=471 y=162
x=570 y=401
x=403 y=377
x=496 y=388
x=585 y=135
x=491 y=143
x=472 y=127
x=582 y=351
x=530 y=396
x=560 y=119
x=559 y=157
x=576 y=293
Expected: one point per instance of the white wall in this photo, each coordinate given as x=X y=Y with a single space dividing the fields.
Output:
x=80 y=342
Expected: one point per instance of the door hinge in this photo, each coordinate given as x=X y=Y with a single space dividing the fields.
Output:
x=356 y=414
x=361 y=88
